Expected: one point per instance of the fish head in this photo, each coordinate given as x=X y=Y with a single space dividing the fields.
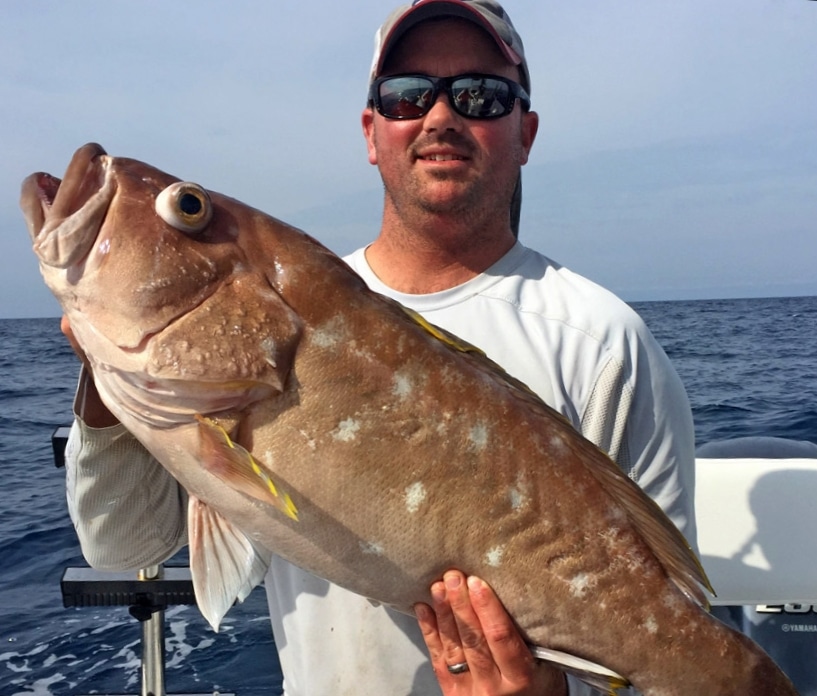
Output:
x=116 y=243
x=158 y=275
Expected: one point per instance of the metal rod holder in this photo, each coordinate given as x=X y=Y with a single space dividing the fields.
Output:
x=146 y=597
x=153 y=643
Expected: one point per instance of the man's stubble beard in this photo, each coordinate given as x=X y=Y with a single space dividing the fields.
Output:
x=475 y=203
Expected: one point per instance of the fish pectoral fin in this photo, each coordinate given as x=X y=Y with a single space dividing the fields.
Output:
x=598 y=677
x=234 y=465
x=224 y=563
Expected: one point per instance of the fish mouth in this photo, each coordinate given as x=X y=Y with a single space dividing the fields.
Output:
x=64 y=216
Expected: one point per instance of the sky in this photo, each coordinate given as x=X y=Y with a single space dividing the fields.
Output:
x=676 y=156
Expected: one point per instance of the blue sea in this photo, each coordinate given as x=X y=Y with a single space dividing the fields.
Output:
x=749 y=366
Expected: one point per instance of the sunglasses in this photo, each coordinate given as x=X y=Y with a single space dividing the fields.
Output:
x=472 y=96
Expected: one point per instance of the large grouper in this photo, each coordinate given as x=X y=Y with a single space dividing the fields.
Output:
x=310 y=417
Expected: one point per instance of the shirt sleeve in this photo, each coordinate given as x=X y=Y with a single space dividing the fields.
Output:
x=128 y=511
x=640 y=414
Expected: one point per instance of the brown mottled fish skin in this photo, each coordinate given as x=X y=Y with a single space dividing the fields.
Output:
x=404 y=456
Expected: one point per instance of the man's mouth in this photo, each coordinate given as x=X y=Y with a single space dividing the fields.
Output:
x=441 y=158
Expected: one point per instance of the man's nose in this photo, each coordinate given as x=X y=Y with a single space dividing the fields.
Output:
x=442 y=115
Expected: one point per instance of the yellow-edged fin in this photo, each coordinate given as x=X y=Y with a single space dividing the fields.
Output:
x=238 y=468
x=597 y=676
x=439 y=334
x=462 y=346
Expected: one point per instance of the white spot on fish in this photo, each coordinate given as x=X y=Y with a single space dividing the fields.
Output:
x=269 y=349
x=673 y=602
x=651 y=625
x=518 y=495
x=310 y=441
x=402 y=386
x=325 y=339
x=362 y=353
x=478 y=436
x=557 y=444
x=610 y=536
x=372 y=548
x=580 y=584
x=517 y=499
x=442 y=424
x=616 y=515
x=494 y=557
x=347 y=430
x=633 y=563
x=415 y=495
x=330 y=334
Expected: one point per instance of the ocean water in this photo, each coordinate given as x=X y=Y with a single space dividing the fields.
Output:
x=748 y=366
x=46 y=649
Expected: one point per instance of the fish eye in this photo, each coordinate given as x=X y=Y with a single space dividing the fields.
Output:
x=185 y=206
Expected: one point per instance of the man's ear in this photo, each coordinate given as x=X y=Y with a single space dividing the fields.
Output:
x=367 y=121
x=530 y=126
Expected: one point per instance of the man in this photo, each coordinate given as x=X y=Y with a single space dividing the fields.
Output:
x=449 y=127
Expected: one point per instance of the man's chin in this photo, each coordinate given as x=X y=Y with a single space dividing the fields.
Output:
x=449 y=196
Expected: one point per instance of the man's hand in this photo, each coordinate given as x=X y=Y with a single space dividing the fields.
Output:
x=87 y=404
x=467 y=625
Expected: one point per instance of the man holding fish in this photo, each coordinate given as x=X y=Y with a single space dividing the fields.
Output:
x=448 y=123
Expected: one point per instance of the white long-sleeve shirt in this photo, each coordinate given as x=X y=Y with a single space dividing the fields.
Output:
x=585 y=352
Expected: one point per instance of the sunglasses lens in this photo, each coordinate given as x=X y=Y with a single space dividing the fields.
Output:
x=405 y=97
x=481 y=97
x=473 y=96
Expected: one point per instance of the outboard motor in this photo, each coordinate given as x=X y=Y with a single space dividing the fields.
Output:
x=756 y=507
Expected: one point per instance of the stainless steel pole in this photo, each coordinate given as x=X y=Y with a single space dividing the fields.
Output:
x=153 y=644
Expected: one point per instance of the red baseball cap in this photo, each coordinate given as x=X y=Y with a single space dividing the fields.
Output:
x=486 y=14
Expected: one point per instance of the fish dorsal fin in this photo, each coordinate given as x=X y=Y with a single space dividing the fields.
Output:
x=224 y=564
x=664 y=539
x=477 y=357
x=596 y=676
x=441 y=334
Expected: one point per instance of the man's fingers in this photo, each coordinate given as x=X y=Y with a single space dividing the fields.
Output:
x=65 y=327
x=88 y=403
x=466 y=624
x=502 y=638
x=427 y=619
x=462 y=635
x=451 y=605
